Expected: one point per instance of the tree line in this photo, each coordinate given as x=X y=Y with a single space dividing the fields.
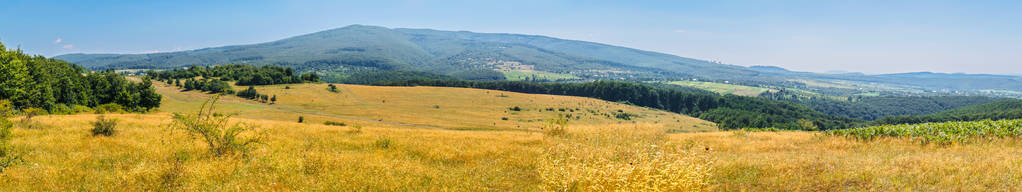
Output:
x=729 y=111
x=58 y=86
x=241 y=74
x=873 y=108
x=1006 y=109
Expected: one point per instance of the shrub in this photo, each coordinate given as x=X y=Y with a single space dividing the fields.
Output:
x=301 y=119
x=383 y=143
x=221 y=138
x=556 y=127
x=335 y=123
x=7 y=156
x=515 y=108
x=61 y=109
x=109 y=108
x=103 y=126
x=26 y=122
x=80 y=109
x=624 y=116
x=333 y=88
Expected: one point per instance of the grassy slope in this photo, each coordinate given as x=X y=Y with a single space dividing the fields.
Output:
x=426 y=153
x=431 y=107
x=429 y=150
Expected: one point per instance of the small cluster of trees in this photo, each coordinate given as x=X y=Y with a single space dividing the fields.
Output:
x=252 y=94
x=211 y=86
x=58 y=86
x=242 y=74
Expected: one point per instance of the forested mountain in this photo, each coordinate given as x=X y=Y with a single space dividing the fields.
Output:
x=360 y=48
x=339 y=53
x=57 y=86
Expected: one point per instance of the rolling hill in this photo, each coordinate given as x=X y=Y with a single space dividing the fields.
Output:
x=340 y=52
x=360 y=48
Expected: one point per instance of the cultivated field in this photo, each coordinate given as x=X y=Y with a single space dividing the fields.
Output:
x=722 y=88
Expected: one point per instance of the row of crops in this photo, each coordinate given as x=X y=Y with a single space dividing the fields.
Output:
x=938 y=133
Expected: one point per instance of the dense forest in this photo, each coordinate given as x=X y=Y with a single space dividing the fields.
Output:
x=242 y=74
x=730 y=112
x=59 y=87
x=873 y=108
x=1006 y=109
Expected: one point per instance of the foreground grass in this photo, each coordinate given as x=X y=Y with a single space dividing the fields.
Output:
x=803 y=161
x=146 y=156
x=63 y=156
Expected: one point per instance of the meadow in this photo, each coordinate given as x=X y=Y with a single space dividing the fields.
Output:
x=723 y=88
x=454 y=139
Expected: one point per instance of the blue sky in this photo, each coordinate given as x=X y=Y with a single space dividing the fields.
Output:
x=818 y=36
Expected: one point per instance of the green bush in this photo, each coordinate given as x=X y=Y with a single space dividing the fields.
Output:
x=7 y=155
x=104 y=126
x=109 y=108
x=335 y=123
x=301 y=119
x=383 y=143
x=75 y=109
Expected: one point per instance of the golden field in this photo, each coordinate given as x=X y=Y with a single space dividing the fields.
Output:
x=454 y=139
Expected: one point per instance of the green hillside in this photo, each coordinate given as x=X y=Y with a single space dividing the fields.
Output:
x=360 y=48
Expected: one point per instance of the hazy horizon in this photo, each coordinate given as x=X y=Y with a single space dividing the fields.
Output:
x=869 y=37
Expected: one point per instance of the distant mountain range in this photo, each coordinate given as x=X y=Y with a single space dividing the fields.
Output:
x=362 y=48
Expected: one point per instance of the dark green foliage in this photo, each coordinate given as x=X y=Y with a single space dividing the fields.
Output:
x=109 y=108
x=301 y=119
x=242 y=74
x=249 y=93
x=332 y=123
x=273 y=99
x=212 y=86
x=1007 y=109
x=45 y=83
x=729 y=111
x=104 y=126
x=7 y=155
x=387 y=76
x=333 y=88
x=872 y=108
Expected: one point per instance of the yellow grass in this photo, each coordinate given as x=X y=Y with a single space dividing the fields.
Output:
x=428 y=107
x=800 y=161
x=415 y=148
x=464 y=146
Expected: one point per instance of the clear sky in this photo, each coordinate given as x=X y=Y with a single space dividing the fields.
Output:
x=813 y=35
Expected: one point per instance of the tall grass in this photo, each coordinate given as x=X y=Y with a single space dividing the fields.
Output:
x=618 y=158
x=938 y=133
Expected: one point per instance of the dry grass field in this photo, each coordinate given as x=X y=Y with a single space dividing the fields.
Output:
x=805 y=161
x=453 y=139
x=417 y=147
